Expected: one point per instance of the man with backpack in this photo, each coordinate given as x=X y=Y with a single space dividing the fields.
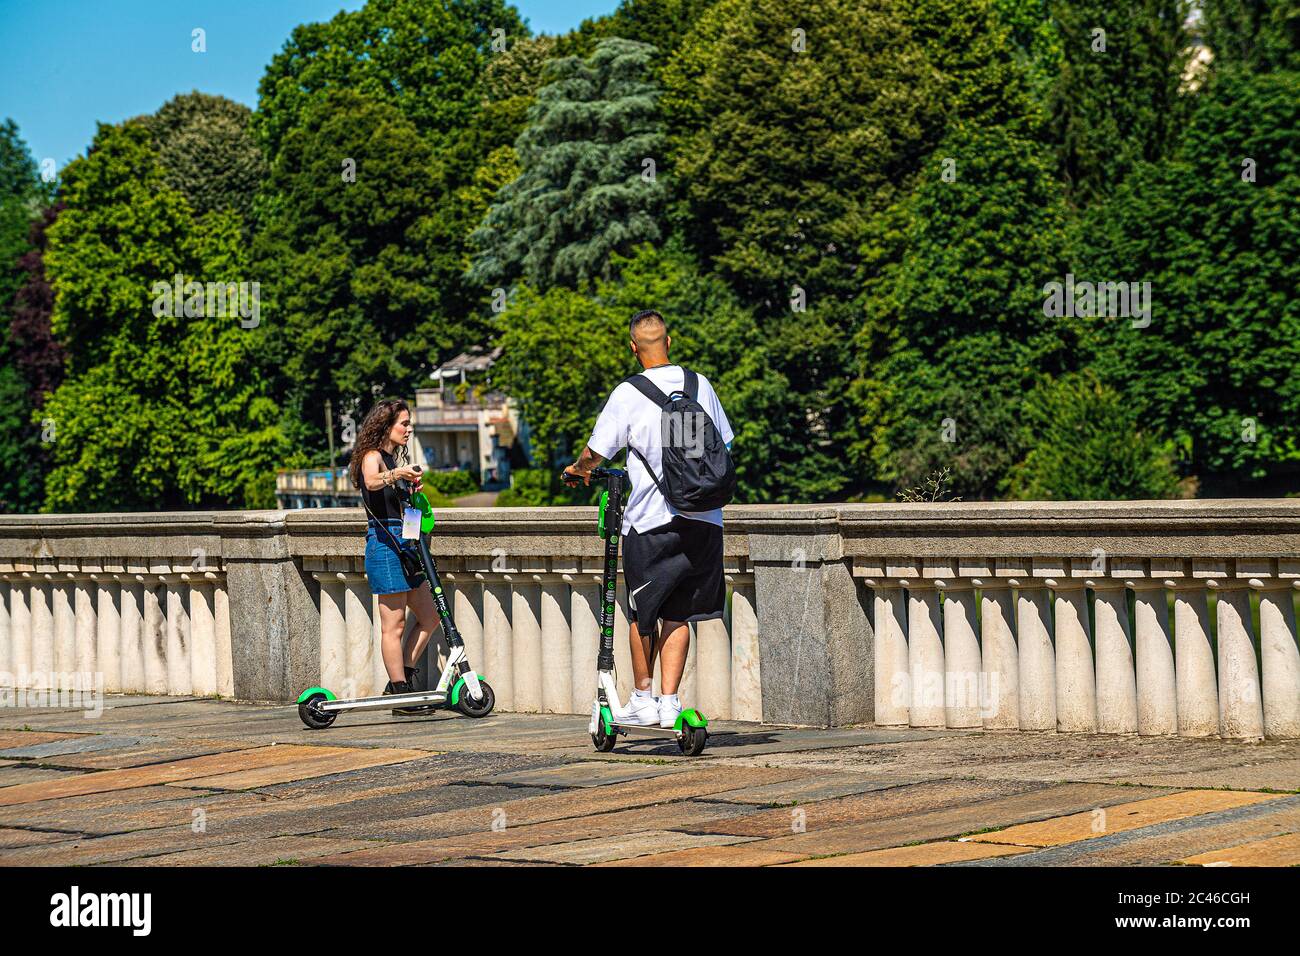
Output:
x=681 y=474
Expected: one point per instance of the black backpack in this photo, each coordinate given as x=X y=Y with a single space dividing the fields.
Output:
x=698 y=472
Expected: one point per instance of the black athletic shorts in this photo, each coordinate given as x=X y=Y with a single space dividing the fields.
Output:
x=674 y=572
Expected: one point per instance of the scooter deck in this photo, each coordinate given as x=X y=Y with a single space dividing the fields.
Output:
x=648 y=730
x=382 y=702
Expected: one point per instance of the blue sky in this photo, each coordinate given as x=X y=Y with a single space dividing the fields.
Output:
x=67 y=64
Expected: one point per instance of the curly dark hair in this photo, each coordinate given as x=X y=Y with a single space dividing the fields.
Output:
x=370 y=436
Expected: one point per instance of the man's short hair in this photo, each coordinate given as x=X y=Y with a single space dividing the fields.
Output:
x=645 y=315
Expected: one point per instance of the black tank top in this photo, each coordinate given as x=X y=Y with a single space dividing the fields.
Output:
x=384 y=504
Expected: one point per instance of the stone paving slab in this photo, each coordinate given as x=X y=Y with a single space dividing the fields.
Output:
x=69 y=745
x=924 y=854
x=872 y=805
x=71 y=785
x=1166 y=842
x=349 y=759
x=151 y=750
x=117 y=848
x=1283 y=774
x=287 y=850
x=69 y=812
x=586 y=774
x=15 y=838
x=951 y=821
x=1121 y=817
x=809 y=790
x=1281 y=850
x=621 y=847
x=682 y=815
x=23 y=738
x=18 y=773
x=741 y=854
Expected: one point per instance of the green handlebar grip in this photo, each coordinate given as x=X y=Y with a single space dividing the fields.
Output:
x=600 y=521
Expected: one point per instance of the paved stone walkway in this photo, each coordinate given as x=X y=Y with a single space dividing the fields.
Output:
x=158 y=781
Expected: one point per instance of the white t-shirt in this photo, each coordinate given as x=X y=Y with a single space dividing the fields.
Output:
x=629 y=418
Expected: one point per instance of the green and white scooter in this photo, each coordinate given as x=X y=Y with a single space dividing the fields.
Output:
x=690 y=729
x=459 y=687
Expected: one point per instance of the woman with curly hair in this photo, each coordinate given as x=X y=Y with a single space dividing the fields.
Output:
x=379 y=462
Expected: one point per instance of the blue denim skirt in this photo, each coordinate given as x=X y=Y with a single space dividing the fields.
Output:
x=384 y=571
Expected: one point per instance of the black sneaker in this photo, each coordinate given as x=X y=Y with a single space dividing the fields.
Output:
x=395 y=687
x=413 y=680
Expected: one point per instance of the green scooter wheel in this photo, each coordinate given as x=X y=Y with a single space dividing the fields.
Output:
x=311 y=714
x=603 y=742
x=470 y=707
x=692 y=740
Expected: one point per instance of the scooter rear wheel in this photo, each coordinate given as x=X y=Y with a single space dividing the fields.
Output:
x=470 y=707
x=692 y=740
x=311 y=714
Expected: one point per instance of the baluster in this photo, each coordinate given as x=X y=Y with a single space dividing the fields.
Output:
x=221 y=612
x=357 y=604
x=1036 y=657
x=746 y=683
x=713 y=673
x=961 y=654
x=1157 y=697
x=925 y=654
x=1241 y=712
x=6 y=627
x=1000 y=694
x=584 y=633
x=526 y=628
x=1116 y=679
x=497 y=649
x=131 y=633
x=153 y=636
x=65 y=623
x=892 y=685
x=334 y=667
x=180 y=678
x=1076 y=681
x=108 y=631
x=20 y=624
x=556 y=664
x=1279 y=658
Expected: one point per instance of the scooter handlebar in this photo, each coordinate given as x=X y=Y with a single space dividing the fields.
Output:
x=599 y=474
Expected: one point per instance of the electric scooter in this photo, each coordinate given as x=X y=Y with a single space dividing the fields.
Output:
x=689 y=730
x=459 y=686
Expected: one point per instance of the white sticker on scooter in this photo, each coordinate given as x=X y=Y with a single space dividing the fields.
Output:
x=411 y=524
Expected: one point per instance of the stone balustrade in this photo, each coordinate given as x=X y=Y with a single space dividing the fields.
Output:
x=1079 y=617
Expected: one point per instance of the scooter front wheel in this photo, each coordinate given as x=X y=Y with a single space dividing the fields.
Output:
x=603 y=742
x=692 y=740
x=470 y=707
x=311 y=714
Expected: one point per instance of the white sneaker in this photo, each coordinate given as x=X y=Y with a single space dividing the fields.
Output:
x=670 y=709
x=642 y=710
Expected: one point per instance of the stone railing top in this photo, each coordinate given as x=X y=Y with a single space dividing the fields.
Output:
x=1185 y=529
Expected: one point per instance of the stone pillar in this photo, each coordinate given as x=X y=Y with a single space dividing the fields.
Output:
x=180 y=680
x=746 y=671
x=1157 y=697
x=465 y=609
x=153 y=636
x=556 y=665
x=1000 y=704
x=65 y=623
x=1280 y=658
x=1194 y=670
x=203 y=632
x=1076 y=681
x=20 y=623
x=893 y=695
x=961 y=654
x=713 y=671
x=131 y=633
x=6 y=629
x=108 y=630
x=1037 y=657
x=497 y=650
x=360 y=623
x=584 y=633
x=42 y=609
x=334 y=666
x=1116 y=680
x=925 y=655
x=1241 y=712
x=526 y=628
x=86 y=625
x=225 y=657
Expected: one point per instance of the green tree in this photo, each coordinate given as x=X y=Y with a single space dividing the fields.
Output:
x=1255 y=35
x=1214 y=230
x=1087 y=443
x=1115 y=100
x=354 y=311
x=161 y=406
x=583 y=192
x=207 y=152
